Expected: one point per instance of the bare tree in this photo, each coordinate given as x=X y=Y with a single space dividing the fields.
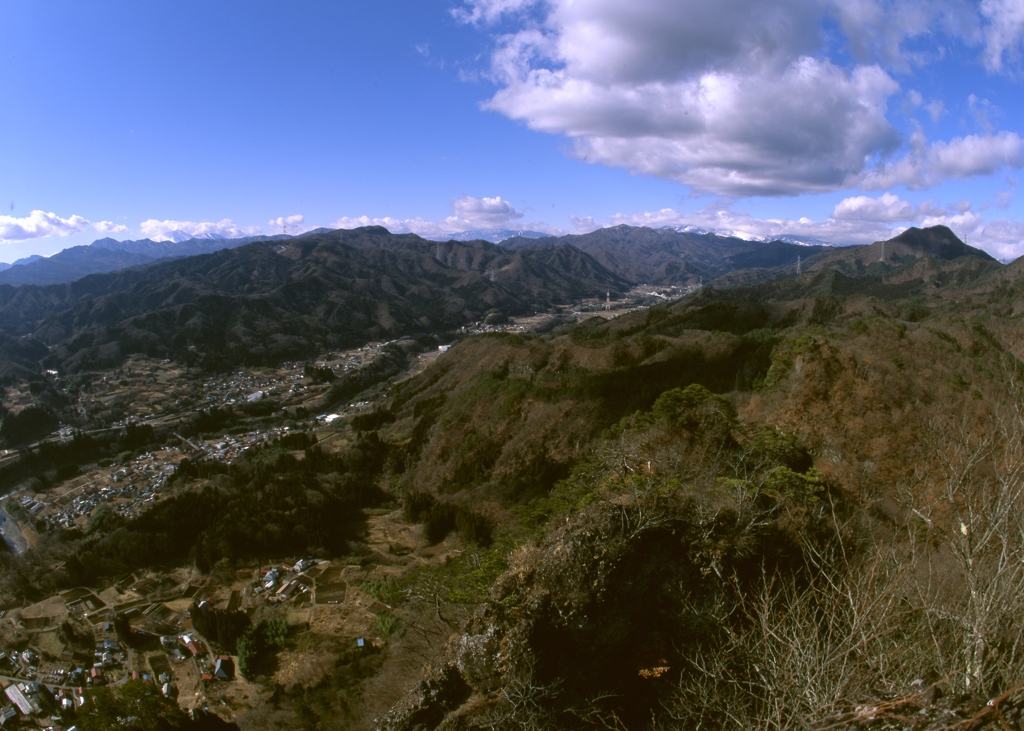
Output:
x=977 y=521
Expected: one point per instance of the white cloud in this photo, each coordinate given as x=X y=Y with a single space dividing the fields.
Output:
x=294 y=224
x=109 y=227
x=489 y=11
x=1002 y=238
x=926 y=165
x=584 y=224
x=936 y=109
x=728 y=99
x=468 y=213
x=879 y=31
x=485 y=211
x=424 y=227
x=39 y=224
x=887 y=207
x=856 y=220
x=1004 y=32
x=738 y=97
x=166 y=230
x=724 y=219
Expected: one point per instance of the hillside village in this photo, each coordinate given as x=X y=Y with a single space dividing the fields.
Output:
x=354 y=512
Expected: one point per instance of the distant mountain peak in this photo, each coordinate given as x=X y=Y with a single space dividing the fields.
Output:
x=27 y=260
x=179 y=236
x=938 y=241
x=494 y=235
x=797 y=239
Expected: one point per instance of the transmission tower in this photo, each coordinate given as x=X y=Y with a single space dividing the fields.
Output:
x=798 y=264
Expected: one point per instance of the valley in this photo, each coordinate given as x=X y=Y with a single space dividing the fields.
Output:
x=569 y=498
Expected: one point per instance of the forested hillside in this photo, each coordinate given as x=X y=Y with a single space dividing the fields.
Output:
x=769 y=506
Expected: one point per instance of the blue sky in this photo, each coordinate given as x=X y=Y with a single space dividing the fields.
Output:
x=843 y=120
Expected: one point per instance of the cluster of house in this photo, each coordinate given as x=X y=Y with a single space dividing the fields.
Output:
x=133 y=486
x=243 y=387
x=31 y=700
x=220 y=667
x=31 y=505
x=480 y=327
x=107 y=656
x=280 y=583
x=229 y=447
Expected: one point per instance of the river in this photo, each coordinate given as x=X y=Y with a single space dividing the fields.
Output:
x=11 y=532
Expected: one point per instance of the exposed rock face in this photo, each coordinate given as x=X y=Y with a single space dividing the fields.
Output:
x=426 y=706
x=594 y=621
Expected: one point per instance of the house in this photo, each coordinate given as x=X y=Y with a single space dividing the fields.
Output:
x=224 y=669
x=18 y=698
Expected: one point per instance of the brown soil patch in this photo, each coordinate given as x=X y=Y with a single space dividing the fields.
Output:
x=52 y=609
x=179 y=605
x=351 y=619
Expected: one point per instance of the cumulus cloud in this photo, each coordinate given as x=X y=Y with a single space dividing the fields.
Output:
x=735 y=98
x=485 y=211
x=885 y=208
x=926 y=165
x=1004 y=32
x=724 y=219
x=1002 y=238
x=39 y=224
x=855 y=220
x=879 y=30
x=421 y=226
x=727 y=99
x=109 y=227
x=468 y=213
x=172 y=230
x=294 y=224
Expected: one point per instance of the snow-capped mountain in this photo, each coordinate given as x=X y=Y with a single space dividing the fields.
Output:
x=787 y=238
x=178 y=236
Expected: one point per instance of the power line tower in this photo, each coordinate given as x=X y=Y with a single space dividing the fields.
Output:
x=798 y=264
x=882 y=257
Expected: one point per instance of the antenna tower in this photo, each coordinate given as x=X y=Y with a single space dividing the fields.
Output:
x=608 y=300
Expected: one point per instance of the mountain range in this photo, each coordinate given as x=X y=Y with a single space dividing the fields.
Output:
x=110 y=255
x=494 y=235
x=275 y=298
x=667 y=255
x=267 y=301
x=792 y=495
